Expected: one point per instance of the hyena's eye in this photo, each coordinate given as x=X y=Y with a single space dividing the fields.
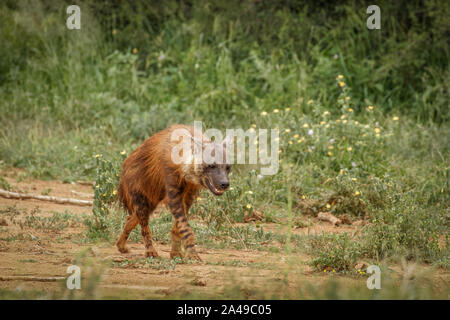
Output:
x=228 y=168
x=211 y=166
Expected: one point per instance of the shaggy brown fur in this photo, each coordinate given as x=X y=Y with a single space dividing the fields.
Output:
x=148 y=177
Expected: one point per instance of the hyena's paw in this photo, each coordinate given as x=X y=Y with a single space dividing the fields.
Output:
x=174 y=254
x=122 y=248
x=151 y=253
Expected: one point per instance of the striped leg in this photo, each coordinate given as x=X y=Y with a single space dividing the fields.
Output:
x=131 y=223
x=143 y=209
x=181 y=230
x=176 y=243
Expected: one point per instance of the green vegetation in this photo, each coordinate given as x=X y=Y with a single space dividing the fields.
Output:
x=362 y=114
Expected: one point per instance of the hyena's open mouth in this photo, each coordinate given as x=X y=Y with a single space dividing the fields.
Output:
x=213 y=189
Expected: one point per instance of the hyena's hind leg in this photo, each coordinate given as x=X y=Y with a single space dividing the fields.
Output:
x=143 y=208
x=131 y=223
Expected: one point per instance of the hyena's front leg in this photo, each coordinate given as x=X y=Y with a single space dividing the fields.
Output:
x=181 y=229
x=176 y=242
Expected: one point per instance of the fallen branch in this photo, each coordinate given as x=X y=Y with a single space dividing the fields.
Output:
x=23 y=196
x=326 y=216
x=31 y=278
x=86 y=183
x=82 y=194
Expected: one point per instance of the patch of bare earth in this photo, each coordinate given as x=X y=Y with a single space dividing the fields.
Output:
x=31 y=257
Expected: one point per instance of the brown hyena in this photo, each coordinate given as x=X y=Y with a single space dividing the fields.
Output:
x=149 y=175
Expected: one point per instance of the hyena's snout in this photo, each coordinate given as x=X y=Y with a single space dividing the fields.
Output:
x=217 y=180
x=224 y=184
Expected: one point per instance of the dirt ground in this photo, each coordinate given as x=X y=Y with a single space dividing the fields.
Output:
x=32 y=252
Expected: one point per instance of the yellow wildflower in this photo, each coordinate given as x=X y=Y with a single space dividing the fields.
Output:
x=310 y=101
x=340 y=77
x=395 y=118
x=248 y=206
x=287 y=130
x=350 y=110
x=264 y=113
x=296 y=136
x=341 y=83
x=357 y=193
x=276 y=110
x=135 y=50
x=349 y=149
x=287 y=109
x=305 y=125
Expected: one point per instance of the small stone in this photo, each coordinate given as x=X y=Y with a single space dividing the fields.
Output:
x=95 y=252
x=198 y=282
x=3 y=222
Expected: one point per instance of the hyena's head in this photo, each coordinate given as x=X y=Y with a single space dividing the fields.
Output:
x=214 y=171
x=203 y=162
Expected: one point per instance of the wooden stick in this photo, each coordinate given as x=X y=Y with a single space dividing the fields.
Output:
x=86 y=183
x=82 y=194
x=30 y=278
x=326 y=216
x=23 y=196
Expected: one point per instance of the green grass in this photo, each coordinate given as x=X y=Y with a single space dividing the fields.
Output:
x=75 y=103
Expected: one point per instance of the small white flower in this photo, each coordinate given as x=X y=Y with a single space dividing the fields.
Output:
x=336 y=56
x=331 y=140
x=161 y=57
x=310 y=132
x=259 y=176
x=354 y=164
x=196 y=66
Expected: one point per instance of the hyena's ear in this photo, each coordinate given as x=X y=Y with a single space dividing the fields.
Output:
x=196 y=141
x=227 y=141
